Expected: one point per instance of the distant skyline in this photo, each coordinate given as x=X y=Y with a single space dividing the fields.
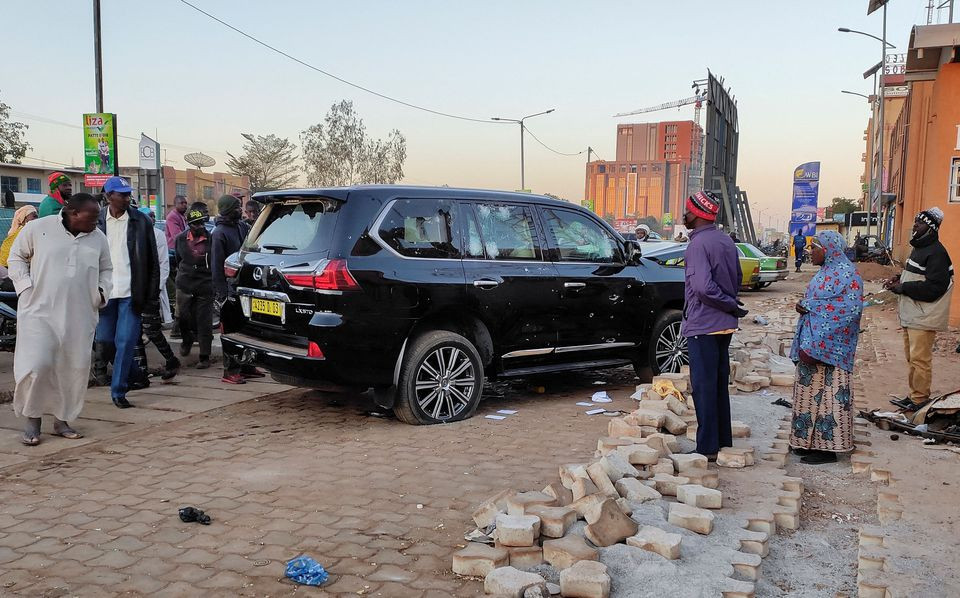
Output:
x=195 y=85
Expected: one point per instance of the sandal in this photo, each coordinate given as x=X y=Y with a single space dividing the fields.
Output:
x=30 y=439
x=67 y=432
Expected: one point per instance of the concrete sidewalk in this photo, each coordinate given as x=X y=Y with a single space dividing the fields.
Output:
x=192 y=391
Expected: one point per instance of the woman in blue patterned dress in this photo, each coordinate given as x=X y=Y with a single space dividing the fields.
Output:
x=823 y=349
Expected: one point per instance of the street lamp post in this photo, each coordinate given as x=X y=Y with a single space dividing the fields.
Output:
x=883 y=63
x=97 y=60
x=519 y=121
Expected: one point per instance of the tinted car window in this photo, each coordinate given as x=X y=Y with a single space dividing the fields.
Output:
x=504 y=232
x=421 y=228
x=579 y=239
x=294 y=227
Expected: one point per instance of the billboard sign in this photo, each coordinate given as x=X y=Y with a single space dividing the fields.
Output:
x=100 y=144
x=803 y=213
x=149 y=153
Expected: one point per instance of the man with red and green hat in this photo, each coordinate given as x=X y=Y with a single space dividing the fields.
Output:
x=710 y=317
x=61 y=188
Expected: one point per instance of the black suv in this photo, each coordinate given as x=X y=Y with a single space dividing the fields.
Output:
x=421 y=292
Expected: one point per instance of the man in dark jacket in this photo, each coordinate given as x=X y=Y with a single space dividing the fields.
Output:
x=799 y=245
x=925 y=287
x=711 y=281
x=226 y=240
x=136 y=284
x=195 y=285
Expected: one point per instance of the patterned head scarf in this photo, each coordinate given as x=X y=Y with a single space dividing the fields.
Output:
x=56 y=179
x=20 y=219
x=834 y=298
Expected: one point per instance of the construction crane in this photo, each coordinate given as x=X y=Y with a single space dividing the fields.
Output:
x=696 y=100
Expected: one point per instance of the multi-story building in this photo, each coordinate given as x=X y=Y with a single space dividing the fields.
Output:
x=651 y=173
x=924 y=165
x=193 y=184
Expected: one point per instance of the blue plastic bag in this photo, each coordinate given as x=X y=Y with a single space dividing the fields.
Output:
x=304 y=570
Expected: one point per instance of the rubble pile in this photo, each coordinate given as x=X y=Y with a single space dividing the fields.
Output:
x=637 y=462
x=760 y=353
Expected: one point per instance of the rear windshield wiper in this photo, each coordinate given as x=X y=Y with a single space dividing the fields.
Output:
x=276 y=247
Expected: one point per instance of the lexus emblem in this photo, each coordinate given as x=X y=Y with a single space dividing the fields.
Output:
x=258 y=273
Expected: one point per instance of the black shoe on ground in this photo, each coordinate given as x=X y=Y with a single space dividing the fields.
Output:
x=901 y=402
x=185 y=349
x=204 y=362
x=912 y=407
x=139 y=384
x=819 y=458
x=171 y=369
x=122 y=402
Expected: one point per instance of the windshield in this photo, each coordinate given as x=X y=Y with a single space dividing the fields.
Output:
x=294 y=227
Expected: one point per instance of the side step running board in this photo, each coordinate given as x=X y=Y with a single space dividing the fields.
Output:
x=565 y=367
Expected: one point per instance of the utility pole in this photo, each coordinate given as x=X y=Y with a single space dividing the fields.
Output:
x=880 y=124
x=523 y=182
x=98 y=62
x=589 y=151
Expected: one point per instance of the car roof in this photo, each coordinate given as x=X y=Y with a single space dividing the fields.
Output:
x=409 y=191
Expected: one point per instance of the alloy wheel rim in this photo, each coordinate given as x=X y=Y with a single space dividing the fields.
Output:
x=670 y=351
x=445 y=383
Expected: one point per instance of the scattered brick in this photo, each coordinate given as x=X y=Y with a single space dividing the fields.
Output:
x=654 y=539
x=585 y=579
x=517 y=530
x=698 y=496
x=476 y=560
x=564 y=552
x=509 y=581
x=607 y=525
x=691 y=518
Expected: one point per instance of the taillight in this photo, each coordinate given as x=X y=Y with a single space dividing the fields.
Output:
x=230 y=271
x=334 y=277
x=313 y=350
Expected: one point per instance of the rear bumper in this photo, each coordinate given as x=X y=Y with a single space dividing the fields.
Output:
x=288 y=361
x=772 y=275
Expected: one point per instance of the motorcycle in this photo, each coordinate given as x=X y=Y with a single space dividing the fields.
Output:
x=8 y=321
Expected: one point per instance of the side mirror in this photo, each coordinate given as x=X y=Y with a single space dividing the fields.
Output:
x=633 y=251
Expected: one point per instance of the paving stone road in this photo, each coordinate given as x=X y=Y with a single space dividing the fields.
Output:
x=381 y=504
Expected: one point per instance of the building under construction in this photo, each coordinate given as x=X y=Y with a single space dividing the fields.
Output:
x=650 y=175
x=659 y=164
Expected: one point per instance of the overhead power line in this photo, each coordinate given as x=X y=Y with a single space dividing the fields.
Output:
x=331 y=75
x=61 y=123
x=537 y=139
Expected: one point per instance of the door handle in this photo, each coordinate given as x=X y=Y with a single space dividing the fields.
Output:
x=485 y=283
x=574 y=285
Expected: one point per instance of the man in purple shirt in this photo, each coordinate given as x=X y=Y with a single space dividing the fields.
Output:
x=712 y=278
x=176 y=223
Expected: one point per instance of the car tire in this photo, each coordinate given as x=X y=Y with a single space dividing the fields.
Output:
x=430 y=392
x=667 y=350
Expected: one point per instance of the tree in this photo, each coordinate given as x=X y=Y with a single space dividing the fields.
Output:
x=267 y=160
x=339 y=152
x=12 y=145
x=653 y=223
x=843 y=205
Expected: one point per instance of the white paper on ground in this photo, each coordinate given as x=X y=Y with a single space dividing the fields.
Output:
x=590 y=412
x=507 y=411
x=495 y=417
x=599 y=383
x=582 y=404
x=601 y=397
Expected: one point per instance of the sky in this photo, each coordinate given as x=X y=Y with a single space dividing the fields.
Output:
x=195 y=85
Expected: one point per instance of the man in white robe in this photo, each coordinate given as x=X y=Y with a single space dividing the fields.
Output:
x=61 y=269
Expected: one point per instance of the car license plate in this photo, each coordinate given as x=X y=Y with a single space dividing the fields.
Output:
x=269 y=308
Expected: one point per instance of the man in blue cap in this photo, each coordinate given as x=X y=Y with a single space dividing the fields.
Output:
x=136 y=284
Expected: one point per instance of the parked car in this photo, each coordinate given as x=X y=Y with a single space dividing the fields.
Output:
x=671 y=254
x=421 y=293
x=772 y=268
